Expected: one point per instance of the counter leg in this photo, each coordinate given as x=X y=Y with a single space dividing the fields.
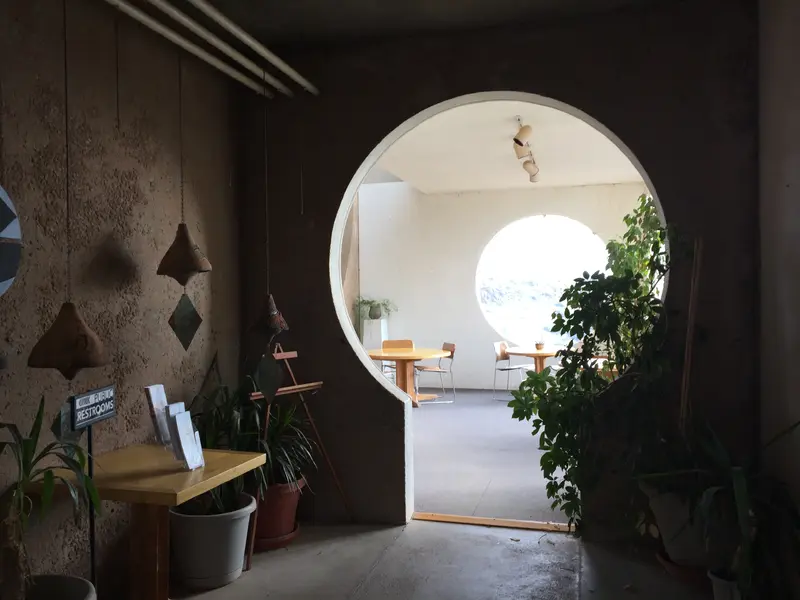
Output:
x=149 y=564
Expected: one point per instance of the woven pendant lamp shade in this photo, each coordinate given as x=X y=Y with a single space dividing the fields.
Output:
x=184 y=259
x=270 y=322
x=69 y=345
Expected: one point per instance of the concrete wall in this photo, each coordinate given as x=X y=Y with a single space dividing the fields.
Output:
x=780 y=232
x=351 y=270
x=125 y=208
x=422 y=251
x=684 y=102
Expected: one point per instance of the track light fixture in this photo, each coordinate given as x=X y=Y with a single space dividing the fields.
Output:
x=523 y=134
x=522 y=150
x=532 y=169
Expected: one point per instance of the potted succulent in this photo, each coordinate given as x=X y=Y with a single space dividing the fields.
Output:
x=374 y=309
x=289 y=453
x=209 y=533
x=59 y=461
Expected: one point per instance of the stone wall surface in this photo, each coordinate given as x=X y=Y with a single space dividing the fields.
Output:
x=125 y=207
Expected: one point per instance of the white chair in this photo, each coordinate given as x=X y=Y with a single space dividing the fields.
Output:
x=441 y=369
x=501 y=355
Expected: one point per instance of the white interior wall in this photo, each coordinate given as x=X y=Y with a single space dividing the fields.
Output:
x=421 y=252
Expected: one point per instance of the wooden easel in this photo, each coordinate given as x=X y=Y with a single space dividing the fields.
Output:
x=300 y=389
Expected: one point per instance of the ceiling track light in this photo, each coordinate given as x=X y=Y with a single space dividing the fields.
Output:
x=532 y=169
x=523 y=133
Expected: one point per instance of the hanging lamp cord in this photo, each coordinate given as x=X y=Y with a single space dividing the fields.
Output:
x=180 y=129
x=116 y=63
x=266 y=179
x=67 y=177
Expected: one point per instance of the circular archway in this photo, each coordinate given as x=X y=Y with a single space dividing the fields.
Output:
x=340 y=223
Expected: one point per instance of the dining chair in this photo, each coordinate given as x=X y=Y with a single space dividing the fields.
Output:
x=501 y=355
x=388 y=368
x=440 y=368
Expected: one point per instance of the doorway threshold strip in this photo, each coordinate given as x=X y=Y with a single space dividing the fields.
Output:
x=491 y=522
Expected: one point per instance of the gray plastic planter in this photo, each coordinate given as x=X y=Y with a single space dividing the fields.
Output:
x=60 y=587
x=208 y=550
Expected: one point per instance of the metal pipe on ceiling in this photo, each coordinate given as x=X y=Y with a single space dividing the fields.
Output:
x=190 y=47
x=224 y=22
x=219 y=44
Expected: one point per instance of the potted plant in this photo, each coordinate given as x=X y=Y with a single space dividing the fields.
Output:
x=209 y=534
x=59 y=461
x=374 y=309
x=750 y=524
x=289 y=453
x=596 y=419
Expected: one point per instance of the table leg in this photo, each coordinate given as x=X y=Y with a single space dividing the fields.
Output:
x=538 y=363
x=405 y=379
x=149 y=561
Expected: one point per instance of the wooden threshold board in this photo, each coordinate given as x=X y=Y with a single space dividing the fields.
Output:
x=491 y=522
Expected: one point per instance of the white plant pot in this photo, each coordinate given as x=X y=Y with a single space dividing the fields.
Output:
x=60 y=587
x=724 y=589
x=682 y=537
x=208 y=550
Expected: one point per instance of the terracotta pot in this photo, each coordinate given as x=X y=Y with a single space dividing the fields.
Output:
x=690 y=575
x=277 y=526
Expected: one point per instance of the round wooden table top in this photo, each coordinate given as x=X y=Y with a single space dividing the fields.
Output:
x=407 y=353
x=532 y=352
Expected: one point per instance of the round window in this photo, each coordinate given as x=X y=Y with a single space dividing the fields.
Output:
x=525 y=268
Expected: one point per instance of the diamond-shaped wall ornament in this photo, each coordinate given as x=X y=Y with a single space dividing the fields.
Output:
x=185 y=321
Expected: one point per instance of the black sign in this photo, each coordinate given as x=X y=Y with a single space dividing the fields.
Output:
x=94 y=406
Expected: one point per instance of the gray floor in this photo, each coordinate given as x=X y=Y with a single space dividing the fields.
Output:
x=472 y=458
x=441 y=561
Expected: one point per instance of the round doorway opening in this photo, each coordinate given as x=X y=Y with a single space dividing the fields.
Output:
x=525 y=268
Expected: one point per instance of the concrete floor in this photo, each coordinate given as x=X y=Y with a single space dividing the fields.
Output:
x=440 y=561
x=472 y=458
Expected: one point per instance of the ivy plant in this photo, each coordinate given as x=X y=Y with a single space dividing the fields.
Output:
x=618 y=320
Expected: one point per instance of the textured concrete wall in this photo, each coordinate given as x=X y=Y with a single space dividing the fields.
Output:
x=676 y=83
x=780 y=231
x=125 y=208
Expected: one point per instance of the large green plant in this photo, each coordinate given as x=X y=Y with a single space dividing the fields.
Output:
x=57 y=462
x=618 y=316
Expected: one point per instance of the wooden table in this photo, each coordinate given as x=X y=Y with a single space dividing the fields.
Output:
x=405 y=358
x=150 y=479
x=538 y=356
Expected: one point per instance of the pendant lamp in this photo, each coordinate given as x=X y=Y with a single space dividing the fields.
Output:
x=270 y=322
x=69 y=345
x=184 y=259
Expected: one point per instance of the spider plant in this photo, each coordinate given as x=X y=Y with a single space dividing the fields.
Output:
x=289 y=450
x=233 y=419
x=58 y=462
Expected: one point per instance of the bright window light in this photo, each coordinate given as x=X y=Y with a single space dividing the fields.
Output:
x=524 y=269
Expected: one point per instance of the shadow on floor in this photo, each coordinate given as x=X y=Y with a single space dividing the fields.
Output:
x=439 y=561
